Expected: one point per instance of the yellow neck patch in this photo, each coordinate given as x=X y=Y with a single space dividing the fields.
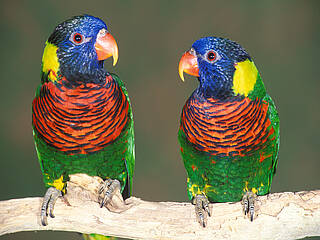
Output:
x=244 y=77
x=50 y=63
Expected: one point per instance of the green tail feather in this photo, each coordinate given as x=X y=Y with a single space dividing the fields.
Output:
x=97 y=237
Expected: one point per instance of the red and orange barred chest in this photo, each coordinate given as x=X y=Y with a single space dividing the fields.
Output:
x=228 y=128
x=82 y=119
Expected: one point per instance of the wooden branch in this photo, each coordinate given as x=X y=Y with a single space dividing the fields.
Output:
x=280 y=216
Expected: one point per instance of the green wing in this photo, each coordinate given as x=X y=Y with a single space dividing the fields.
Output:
x=275 y=122
x=130 y=160
x=260 y=92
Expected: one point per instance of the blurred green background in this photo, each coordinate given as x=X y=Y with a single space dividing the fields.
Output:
x=282 y=37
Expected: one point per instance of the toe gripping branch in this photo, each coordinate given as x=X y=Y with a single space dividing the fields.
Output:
x=202 y=208
x=108 y=189
x=48 y=203
x=248 y=202
x=109 y=195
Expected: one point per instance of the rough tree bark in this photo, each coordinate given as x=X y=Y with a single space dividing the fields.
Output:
x=279 y=216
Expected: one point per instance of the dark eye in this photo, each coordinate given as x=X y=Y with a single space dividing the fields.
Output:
x=77 y=37
x=211 y=56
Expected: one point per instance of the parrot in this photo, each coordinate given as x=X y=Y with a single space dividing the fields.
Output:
x=81 y=114
x=229 y=131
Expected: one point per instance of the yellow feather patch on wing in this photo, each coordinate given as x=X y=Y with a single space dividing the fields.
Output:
x=58 y=184
x=195 y=190
x=50 y=63
x=244 y=77
x=245 y=189
x=208 y=188
x=254 y=190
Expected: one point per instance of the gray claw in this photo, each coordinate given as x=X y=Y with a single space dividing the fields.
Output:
x=202 y=208
x=248 y=201
x=48 y=203
x=108 y=189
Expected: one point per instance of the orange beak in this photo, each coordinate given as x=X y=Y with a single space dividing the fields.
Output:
x=188 y=64
x=106 y=46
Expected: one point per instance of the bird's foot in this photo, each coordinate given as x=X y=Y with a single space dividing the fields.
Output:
x=202 y=208
x=248 y=201
x=108 y=189
x=48 y=203
x=110 y=196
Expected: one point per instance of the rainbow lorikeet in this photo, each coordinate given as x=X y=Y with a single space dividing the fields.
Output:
x=229 y=128
x=82 y=117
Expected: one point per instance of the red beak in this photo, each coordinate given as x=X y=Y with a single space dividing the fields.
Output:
x=189 y=64
x=106 y=46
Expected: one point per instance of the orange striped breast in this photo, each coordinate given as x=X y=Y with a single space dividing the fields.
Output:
x=82 y=119
x=230 y=127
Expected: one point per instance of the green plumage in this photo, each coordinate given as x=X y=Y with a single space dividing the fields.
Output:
x=115 y=161
x=229 y=131
x=81 y=115
x=225 y=180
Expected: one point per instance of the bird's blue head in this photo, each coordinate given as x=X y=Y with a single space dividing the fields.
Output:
x=222 y=66
x=77 y=49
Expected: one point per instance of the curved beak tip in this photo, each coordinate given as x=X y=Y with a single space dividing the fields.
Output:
x=106 y=46
x=189 y=64
x=115 y=56
x=181 y=70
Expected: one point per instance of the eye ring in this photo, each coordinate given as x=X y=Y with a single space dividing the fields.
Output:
x=211 y=56
x=77 y=38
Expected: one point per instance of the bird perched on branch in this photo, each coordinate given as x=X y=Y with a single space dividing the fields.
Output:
x=82 y=117
x=229 y=127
